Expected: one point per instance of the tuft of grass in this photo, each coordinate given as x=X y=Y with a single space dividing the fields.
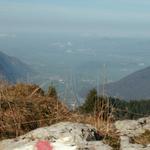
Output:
x=113 y=141
x=143 y=139
x=24 y=107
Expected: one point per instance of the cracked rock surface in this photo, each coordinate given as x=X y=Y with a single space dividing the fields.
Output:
x=61 y=136
x=130 y=128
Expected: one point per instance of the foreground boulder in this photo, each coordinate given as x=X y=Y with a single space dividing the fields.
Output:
x=128 y=129
x=60 y=136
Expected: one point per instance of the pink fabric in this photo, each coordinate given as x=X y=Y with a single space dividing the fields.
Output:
x=43 y=145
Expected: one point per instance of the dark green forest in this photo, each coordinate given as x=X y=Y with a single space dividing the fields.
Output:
x=120 y=109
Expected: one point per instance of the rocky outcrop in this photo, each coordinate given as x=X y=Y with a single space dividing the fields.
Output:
x=78 y=136
x=60 y=136
x=131 y=128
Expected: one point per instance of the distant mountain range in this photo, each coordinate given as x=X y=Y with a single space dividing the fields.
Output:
x=132 y=87
x=12 y=69
x=135 y=86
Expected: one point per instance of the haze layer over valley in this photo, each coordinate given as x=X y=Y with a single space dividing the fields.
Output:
x=61 y=58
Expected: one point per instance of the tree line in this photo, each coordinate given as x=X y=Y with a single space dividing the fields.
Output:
x=120 y=109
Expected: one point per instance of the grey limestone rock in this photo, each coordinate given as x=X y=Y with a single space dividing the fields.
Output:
x=131 y=128
x=64 y=135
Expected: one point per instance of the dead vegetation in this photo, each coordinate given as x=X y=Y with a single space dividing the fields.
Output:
x=24 y=107
x=113 y=140
x=143 y=139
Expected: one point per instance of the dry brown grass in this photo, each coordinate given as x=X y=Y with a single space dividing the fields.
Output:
x=24 y=108
x=22 y=115
x=143 y=139
x=19 y=90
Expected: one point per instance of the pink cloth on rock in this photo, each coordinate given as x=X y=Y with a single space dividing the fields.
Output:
x=43 y=145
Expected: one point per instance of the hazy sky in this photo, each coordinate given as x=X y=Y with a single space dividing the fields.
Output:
x=101 y=17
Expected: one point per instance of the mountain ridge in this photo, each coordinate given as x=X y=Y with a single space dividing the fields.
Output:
x=135 y=86
x=12 y=69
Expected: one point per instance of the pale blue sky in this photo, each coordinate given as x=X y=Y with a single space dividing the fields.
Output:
x=102 y=17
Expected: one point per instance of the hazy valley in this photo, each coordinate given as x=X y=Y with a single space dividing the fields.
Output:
x=77 y=61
